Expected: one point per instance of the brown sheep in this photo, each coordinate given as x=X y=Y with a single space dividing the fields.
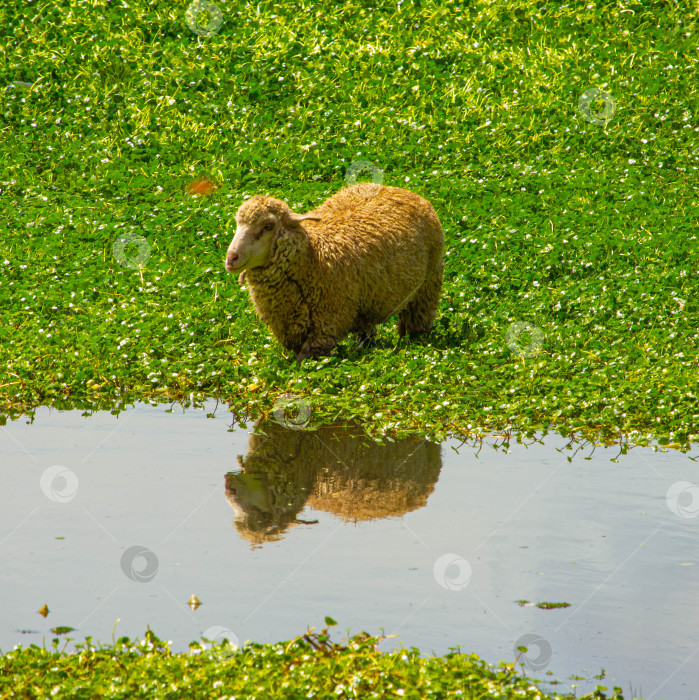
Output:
x=365 y=254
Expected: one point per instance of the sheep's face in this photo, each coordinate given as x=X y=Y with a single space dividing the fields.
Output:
x=261 y=223
x=252 y=245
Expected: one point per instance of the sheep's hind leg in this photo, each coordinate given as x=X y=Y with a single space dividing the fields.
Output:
x=366 y=338
x=315 y=347
x=417 y=317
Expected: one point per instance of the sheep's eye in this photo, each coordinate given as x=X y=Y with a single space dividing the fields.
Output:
x=269 y=227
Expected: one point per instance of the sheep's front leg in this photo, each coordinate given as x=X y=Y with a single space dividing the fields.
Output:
x=315 y=347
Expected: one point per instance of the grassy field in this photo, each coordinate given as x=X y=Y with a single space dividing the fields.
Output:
x=311 y=666
x=558 y=142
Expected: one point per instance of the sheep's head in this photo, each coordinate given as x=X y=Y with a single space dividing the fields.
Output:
x=262 y=223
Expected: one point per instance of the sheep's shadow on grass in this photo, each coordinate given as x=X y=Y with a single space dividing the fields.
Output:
x=448 y=333
x=444 y=335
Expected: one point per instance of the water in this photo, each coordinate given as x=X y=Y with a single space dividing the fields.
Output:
x=125 y=517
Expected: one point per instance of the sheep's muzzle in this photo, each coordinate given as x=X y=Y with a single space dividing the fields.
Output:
x=231 y=260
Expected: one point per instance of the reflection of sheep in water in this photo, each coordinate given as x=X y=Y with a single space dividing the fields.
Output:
x=356 y=261
x=335 y=469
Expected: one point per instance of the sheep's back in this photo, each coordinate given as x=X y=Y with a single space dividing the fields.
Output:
x=376 y=249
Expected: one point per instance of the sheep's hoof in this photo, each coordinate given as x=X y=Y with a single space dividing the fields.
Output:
x=367 y=339
x=314 y=350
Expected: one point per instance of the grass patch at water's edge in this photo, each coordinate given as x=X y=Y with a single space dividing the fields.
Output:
x=311 y=666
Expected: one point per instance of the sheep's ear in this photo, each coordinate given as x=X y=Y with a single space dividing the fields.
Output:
x=296 y=218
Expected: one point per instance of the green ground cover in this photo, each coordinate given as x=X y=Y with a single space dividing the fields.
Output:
x=312 y=666
x=579 y=220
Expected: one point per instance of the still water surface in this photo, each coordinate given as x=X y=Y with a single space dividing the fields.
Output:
x=125 y=517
